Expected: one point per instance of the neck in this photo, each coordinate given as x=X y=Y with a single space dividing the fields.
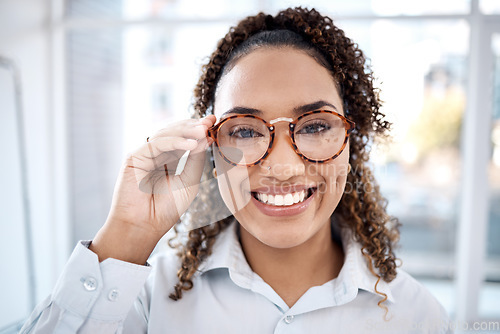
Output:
x=292 y=271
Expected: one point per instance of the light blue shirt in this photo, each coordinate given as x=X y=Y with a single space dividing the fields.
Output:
x=228 y=297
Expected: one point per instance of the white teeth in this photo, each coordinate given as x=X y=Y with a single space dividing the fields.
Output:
x=270 y=199
x=282 y=200
x=278 y=200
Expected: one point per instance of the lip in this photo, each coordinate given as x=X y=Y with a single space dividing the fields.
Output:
x=281 y=211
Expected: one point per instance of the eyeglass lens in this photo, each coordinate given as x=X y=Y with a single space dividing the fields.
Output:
x=245 y=140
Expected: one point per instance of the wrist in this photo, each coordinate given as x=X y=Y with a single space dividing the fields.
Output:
x=124 y=242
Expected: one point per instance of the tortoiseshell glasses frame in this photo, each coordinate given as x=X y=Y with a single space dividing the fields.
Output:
x=348 y=127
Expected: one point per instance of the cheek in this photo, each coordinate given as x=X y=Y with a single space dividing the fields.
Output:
x=341 y=170
x=234 y=185
x=334 y=176
x=340 y=182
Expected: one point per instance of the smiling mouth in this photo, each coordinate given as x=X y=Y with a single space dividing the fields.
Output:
x=284 y=199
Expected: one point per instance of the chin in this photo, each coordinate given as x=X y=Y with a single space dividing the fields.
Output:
x=277 y=232
x=283 y=242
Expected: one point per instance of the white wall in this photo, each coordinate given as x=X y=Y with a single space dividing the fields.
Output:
x=25 y=37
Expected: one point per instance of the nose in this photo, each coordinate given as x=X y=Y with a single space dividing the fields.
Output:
x=285 y=163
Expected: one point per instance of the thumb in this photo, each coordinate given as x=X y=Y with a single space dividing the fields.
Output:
x=195 y=163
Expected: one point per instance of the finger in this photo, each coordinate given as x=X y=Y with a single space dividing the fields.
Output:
x=193 y=168
x=192 y=129
x=209 y=120
x=171 y=158
x=154 y=147
x=193 y=157
x=144 y=160
x=164 y=153
x=201 y=146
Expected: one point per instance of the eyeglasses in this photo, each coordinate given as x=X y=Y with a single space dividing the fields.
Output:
x=316 y=136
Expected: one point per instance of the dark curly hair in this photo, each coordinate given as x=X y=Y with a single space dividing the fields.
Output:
x=362 y=210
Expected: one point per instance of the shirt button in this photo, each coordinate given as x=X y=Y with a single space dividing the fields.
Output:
x=89 y=283
x=289 y=319
x=113 y=295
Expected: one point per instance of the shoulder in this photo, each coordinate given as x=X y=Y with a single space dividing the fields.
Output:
x=407 y=289
x=165 y=265
x=415 y=303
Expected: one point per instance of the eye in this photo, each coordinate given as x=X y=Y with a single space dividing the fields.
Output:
x=314 y=127
x=244 y=132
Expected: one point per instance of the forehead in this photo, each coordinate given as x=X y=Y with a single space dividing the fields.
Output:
x=275 y=81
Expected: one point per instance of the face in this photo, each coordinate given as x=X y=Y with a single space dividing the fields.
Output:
x=274 y=83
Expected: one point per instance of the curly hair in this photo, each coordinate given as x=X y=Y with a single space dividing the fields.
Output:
x=362 y=210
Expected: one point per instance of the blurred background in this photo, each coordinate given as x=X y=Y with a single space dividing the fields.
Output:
x=83 y=82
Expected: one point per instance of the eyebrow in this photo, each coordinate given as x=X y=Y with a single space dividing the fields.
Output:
x=297 y=110
x=312 y=106
x=242 y=111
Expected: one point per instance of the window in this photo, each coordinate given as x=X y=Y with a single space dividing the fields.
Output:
x=421 y=68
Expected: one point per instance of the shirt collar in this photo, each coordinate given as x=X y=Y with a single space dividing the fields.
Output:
x=354 y=275
x=227 y=253
x=356 y=264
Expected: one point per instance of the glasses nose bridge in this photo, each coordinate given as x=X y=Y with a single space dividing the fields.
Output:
x=272 y=127
x=272 y=122
x=289 y=120
x=281 y=119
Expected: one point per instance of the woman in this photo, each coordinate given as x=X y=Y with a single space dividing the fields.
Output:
x=288 y=108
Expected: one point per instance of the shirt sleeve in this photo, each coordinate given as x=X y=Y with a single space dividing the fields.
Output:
x=90 y=297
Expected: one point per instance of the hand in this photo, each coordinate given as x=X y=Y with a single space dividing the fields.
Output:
x=149 y=198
